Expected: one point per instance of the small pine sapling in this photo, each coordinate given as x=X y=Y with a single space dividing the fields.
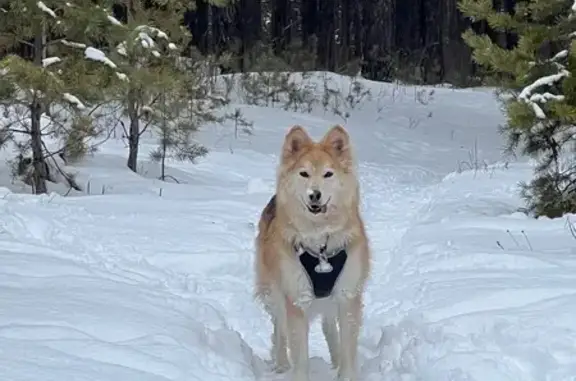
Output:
x=175 y=128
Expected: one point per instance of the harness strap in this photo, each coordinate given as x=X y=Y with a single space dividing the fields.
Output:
x=323 y=270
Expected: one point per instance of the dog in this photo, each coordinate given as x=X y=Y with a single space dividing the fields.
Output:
x=312 y=253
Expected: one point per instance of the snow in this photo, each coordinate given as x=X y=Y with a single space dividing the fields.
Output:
x=46 y=9
x=138 y=279
x=114 y=20
x=147 y=28
x=542 y=81
x=98 y=55
x=146 y=40
x=549 y=80
x=121 y=48
x=74 y=100
x=560 y=55
x=73 y=44
x=50 y=60
x=122 y=76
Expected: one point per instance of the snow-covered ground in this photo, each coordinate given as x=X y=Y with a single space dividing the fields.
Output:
x=152 y=281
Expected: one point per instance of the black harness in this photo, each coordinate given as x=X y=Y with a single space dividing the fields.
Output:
x=323 y=270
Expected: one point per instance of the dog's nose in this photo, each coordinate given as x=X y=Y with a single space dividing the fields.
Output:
x=315 y=195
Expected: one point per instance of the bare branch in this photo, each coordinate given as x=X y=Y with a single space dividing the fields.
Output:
x=69 y=179
x=15 y=130
x=145 y=128
x=108 y=136
x=52 y=42
x=16 y=39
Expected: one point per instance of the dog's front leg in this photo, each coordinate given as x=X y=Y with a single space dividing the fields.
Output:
x=330 y=330
x=349 y=318
x=279 y=346
x=298 y=341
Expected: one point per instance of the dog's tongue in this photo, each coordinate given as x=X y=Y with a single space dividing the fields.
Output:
x=318 y=209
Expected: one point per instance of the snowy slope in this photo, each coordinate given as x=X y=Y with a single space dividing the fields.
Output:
x=145 y=280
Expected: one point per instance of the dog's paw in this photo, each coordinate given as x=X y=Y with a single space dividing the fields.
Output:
x=334 y=362
x=346 y=376
x=277 y=368
x=281 y=368
x=300 y=377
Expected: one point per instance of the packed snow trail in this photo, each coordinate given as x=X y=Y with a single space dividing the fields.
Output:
x=131 y=285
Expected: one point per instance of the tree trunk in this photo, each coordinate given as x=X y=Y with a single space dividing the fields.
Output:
x=432 y=58
x=280 y=26
x=357 y=29
x=198 y=22
x=134 y=133
x=39 y=163
x=248 y=26
x=458 y=66
x=221 y=32
x=38 y=160
x=326 y=31
x=343 y=57
x=163 y=165
x=309 y=11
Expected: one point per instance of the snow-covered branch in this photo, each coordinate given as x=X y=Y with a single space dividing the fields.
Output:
x=145 y=33
x=527 y=96
x=74 y=100
x=98 y=55
x=73 y=44
x=50 y=60
x=46 y=9
x=114 y=20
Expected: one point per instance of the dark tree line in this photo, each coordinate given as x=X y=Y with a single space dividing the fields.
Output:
x=418 y=41
x=414 y=40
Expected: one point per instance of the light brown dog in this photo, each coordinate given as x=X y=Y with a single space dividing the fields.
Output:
x=312 y=253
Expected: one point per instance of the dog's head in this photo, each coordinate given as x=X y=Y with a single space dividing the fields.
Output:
x=317 y=178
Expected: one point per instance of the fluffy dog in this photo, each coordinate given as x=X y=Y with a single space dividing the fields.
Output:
x=312 y=253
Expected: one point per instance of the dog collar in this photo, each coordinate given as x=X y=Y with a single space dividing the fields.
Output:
x=322 y=269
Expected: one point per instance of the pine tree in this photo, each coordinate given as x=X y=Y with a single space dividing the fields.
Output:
x=146 y=48
x=538 y=91
x=179 y=114
x=48 y=94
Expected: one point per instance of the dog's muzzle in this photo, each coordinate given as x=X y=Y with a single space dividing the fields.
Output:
x=316 y=208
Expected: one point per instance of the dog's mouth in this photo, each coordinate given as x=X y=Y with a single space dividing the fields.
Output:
x=316 y=208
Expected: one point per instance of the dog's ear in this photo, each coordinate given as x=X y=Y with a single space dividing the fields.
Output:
x=296 y=139
x=337 y=141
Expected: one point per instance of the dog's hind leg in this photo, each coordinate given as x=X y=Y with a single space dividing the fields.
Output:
x=330 y=330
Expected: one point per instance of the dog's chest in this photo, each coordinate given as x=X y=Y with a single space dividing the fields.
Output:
x=323 y=273
x=314 y=285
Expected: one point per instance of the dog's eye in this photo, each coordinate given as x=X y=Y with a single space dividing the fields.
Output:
x=328 y=174
x=304 y=174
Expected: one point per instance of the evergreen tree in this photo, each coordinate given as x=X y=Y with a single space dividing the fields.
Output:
x=146 y=49
x=538 y=91
x=47 y=95
x=181 y=111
